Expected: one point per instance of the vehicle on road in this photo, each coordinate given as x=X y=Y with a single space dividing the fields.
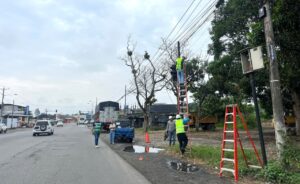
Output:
x=3 y=128
x=81 y=119
x=124 y=131
x=43 y=127
x=60 y=124
x=108 y=113
x=205 y=122
x=89 y=123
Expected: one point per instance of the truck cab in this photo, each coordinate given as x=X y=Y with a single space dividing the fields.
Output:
x=81 y=120
x=124 y=131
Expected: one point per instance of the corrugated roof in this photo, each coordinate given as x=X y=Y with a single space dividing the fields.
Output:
x=163 y=108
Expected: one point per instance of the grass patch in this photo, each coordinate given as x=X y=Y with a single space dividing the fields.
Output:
x=211 y=156
x=274 y=172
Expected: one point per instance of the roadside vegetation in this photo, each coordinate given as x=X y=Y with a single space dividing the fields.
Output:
x=274 y=172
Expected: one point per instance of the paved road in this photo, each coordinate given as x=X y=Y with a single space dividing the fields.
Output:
x=68 y=156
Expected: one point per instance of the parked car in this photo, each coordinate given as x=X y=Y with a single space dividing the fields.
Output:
x=124 y=131
x=60 y=124
x=43 y=127
x=53 y=122
x=3 y=128
x=89 y=123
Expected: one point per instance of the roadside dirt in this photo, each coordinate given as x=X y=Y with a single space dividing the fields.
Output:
x=156 y=166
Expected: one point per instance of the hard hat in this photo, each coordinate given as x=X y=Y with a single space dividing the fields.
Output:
x=178 y=116
x=170 y=117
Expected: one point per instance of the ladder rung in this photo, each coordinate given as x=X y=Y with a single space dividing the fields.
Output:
x=255 y=166
x=228 y=140
x=229 y=131
x=229 y=113
x=226 y=169
x=230 y=150
x=228 y=159
x=229 y=122
x=182 y=95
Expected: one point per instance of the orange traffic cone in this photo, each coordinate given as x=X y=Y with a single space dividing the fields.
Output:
x=147 y=149
x=147 y=139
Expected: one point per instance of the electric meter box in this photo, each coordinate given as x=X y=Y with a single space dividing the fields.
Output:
x=252 y=60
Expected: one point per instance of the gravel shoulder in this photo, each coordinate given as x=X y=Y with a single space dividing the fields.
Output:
x=156 y=168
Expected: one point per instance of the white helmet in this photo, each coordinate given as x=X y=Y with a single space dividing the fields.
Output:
x=178 y=116
x=170 y=117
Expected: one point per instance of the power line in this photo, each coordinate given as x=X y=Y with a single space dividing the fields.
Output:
x=176 y=25
x=197 y=24
x=188 y=17
x=190 y=30
x=191 y=25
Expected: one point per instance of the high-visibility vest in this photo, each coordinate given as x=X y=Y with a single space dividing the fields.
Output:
x=97 y=128
x=179 y=63
x=179 y=126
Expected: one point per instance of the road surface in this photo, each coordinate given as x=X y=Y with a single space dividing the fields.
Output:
x=68 y=156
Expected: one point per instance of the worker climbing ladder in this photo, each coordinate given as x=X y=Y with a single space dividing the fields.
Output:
x=182 y=97
x=182 y=100
x=230 y=142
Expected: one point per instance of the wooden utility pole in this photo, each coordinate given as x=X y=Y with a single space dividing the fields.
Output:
x=2 y=104
x=280 y=130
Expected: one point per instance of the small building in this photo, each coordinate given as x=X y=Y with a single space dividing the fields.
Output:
x=159 y=114
x=14 y=115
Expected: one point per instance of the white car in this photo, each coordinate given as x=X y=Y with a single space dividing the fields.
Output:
x=60 y=124
x=43 y=127
x=3 y=128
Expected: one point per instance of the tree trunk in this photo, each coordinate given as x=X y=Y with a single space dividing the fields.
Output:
x=146 y=122
x=197 y=125
x=296 y=107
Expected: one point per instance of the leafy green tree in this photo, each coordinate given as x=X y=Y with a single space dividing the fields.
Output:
x=236 y=27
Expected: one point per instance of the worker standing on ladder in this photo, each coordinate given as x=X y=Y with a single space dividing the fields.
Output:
x=179 y=68
x=180 y=132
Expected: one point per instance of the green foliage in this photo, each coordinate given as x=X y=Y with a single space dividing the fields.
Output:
x=291 y=156
x=275 y=173
x=236 y=27
x=288 y=173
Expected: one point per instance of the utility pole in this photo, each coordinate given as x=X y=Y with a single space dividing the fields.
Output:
x=178 y=47
x=259 y=127
x=178 y=92
x=280 y=130
x=2 y=104
x=12 y=114
x=125 y=110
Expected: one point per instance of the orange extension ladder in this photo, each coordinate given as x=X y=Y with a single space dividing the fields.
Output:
x=231 y=136
x=183 y=107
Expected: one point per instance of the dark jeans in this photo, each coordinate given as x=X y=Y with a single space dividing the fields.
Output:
x=171 y=135
x=183 y=141
x=96 y=138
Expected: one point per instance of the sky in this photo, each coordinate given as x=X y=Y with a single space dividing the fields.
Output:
x=65 y=55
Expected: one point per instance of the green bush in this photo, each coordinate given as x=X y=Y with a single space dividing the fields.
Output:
x=275 y=173
x=289 y=171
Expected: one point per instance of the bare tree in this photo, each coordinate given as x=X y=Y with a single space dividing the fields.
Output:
x=195 y=67
x=170 y=54
x=147 y=79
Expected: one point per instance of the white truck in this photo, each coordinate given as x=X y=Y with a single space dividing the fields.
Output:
x=81 y=119
x=108 y=112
